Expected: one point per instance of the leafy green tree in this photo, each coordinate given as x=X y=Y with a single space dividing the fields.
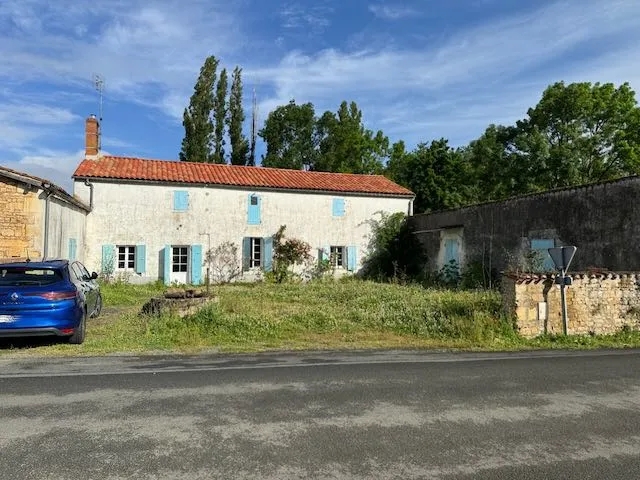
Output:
x=198 y=126
x=219 y=115
x=235 y=120
x=394 y=251
x=586 y=132
x=346 y=146
x=289 y=134
x=437 y=174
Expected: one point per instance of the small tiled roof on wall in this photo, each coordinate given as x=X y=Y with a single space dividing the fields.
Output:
x=138 y=169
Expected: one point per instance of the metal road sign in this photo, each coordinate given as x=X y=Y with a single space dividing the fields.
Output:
x=562 y=257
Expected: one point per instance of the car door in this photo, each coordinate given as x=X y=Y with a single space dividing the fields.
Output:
x=92 y=285
x=81 y=282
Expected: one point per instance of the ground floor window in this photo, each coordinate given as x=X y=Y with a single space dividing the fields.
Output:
x=255 y=251
x=126 y=257
x=338 y=256
x=180 y=259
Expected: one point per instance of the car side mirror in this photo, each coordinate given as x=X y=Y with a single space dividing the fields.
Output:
x=94 y=275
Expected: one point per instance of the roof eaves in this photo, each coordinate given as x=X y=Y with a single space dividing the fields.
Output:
x=112 y=179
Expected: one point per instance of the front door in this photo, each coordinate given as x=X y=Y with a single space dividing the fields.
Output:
x=180 y=264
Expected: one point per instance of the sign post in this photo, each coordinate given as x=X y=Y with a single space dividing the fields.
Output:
x=562 y=257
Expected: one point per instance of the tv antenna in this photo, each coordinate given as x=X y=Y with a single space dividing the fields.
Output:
x=254 y=129
x=98 y=83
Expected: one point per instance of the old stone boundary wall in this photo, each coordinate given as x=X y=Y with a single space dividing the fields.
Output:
x=596 y=303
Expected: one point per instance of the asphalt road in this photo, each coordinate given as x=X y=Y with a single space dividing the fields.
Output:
x=386 y=415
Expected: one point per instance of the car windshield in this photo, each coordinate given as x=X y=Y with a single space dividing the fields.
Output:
x=18 y=276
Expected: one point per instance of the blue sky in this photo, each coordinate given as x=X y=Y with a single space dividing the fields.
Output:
x=419 y=70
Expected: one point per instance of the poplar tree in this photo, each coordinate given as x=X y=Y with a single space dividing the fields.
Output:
x=197 y=122
x=219 y=115
x=235 y=119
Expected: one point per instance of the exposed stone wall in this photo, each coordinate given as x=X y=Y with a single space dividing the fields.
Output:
x=20 y=221
x=600 y=304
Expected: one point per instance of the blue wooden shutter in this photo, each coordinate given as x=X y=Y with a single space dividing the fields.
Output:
x=253 y=214
x=246 y=253
x=180 y=200
x=352 y=259
x=196 y=264
x=338 y=207
x=451 y=252
x=166 y=273
x=268 y=254
x=141 y=259
x=108 y=257
x=542 y=246
x=73 y=247
x=326 y=253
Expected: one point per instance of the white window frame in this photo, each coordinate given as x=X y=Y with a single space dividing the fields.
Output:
x=180 y=263
x=256 y=250
x=129 y=258
x=338 y=256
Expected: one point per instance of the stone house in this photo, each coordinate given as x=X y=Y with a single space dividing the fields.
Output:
x=155 y=219
x=38 y=219
x=602 y=220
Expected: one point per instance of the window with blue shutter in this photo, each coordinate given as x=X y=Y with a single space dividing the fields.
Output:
x=338 y=207
x=180 y=200
x=541 y=247
x=141 y=259
x=268 y=254
x=196 y=264
x=166 y=272
x=73 y=249
x=352 y=258
x=108 y=259
x=246 y=253
x=253 y=215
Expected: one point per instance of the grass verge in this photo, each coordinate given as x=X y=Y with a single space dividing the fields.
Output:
x=319 y=315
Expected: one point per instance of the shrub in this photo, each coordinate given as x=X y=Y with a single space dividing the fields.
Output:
x=394 y=252
x=222 y=263
x=287 y=253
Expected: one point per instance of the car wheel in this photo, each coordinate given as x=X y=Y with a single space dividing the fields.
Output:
x=98 y=306
x=78 y=336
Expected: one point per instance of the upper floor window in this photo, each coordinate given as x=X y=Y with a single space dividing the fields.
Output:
x=338 y=207
x=180 y=200
x=254 y=214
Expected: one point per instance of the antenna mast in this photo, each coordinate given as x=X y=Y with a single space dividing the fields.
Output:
x=98 y=83
x=254 y=129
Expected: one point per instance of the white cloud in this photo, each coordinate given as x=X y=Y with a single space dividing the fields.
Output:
x=55 y=166
x=392 y=12
x=302 y=16
x=136 y=47
x=21 y=124
x=499 y=69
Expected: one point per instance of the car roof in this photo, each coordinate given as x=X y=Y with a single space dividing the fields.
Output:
x=45 y=264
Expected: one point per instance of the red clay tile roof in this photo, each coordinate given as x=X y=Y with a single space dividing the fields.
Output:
x=126 y=168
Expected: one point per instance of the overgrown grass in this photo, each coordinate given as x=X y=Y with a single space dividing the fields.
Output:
x=120 y=294
x=317 y=315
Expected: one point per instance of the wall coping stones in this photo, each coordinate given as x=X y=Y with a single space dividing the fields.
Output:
x=534 y=278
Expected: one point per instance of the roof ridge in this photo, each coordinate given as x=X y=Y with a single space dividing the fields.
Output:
x=222 y=165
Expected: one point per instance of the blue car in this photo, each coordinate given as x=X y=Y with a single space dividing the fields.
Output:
x=47 y=298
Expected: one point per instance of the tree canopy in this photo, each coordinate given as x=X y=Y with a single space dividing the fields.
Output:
x=577 y=133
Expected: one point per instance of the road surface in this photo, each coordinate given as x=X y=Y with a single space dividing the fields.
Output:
x=387 y=415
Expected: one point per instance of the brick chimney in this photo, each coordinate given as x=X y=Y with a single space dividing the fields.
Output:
x=92 y=137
